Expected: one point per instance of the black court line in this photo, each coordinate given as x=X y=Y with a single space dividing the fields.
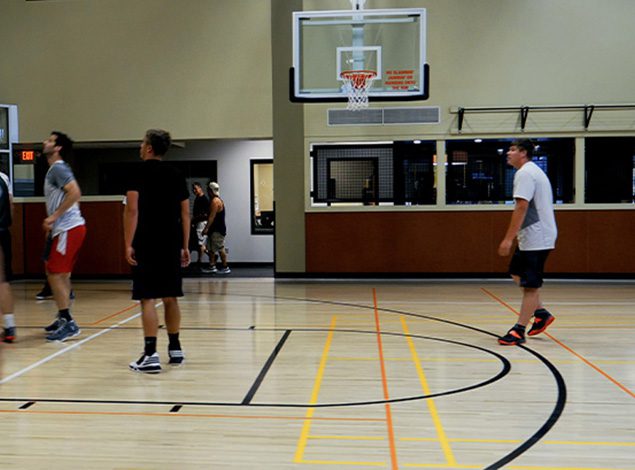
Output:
x=535 y=438
x=505 y=369
x=557 y=411
x=254 y=388
x=551 y=421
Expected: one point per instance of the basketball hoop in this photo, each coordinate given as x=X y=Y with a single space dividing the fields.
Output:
x=356 y=85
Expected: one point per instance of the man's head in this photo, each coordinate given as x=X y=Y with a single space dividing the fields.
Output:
x=197 y=189
x=520 y=151
x=155 y=144
x=57 y=143
x=214 y=188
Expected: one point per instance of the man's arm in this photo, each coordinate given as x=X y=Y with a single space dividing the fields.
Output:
x=130 y=220
x=73 y=195
x=213 y=210
x=185 y=224
x=518 y=216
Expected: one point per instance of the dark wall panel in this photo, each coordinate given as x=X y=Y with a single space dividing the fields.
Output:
x=102 y=252
x=601 y=242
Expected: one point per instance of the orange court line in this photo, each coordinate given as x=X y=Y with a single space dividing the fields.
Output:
x=564 y=346
x=114 y=315
x=384 y=382
x=186 y=415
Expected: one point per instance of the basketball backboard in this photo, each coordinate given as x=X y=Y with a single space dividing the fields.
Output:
x=389 y=42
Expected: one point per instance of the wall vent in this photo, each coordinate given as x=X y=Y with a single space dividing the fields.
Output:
x=379 y=116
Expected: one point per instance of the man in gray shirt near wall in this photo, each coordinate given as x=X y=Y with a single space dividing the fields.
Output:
x=533 y=223
x=65 y=229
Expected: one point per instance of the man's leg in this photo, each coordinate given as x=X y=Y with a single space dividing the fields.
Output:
x=150 y=319
x=529 y=304
x=516 y=335
x=173 y=325
x=60 y=285
x=149 y=362
x=6 y=307
x=66 y=326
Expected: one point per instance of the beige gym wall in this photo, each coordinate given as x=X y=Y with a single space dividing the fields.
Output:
x=109 y=69
x=513 y=53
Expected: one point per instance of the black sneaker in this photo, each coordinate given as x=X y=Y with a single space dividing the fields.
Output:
x=67 y=330
x=53 y=326
x=9 y=335
x=512 y=338
x=147 y=364
x=176 y=357
x=542 y=319
x=44 y=294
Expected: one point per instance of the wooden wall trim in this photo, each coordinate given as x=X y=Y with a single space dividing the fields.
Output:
x=601 y=242
x=102 y=252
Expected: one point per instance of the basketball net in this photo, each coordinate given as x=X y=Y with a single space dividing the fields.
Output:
x=356 y=85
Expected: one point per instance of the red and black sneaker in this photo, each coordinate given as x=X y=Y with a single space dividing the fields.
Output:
x=512 y=338
x=542 y=319
x=9 y=335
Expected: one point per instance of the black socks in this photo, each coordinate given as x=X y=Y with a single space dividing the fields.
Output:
x=150 y=345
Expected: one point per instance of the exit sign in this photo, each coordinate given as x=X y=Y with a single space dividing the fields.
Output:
x=27 y=155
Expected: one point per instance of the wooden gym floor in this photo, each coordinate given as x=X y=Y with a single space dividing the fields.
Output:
x=326 y=374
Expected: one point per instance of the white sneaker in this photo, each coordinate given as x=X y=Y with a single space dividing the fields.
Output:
x=147 y=364
x=225 y=270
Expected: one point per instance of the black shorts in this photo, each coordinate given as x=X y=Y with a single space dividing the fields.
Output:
x=6 y=274
x=529 y=266
x=157 y=275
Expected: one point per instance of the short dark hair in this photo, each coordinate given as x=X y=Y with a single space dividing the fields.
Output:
x=525 y=144
x=64 y=141
x=159 y=140
x=197 y=184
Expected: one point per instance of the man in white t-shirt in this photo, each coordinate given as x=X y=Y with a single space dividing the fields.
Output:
x=533 y=224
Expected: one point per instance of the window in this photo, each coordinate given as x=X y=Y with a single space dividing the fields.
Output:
x=610 y=170
x=398 y=173
x=262 y=209
x=478 y=173
x=4 y=128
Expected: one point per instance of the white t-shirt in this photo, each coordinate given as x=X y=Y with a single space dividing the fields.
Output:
x=538 y=231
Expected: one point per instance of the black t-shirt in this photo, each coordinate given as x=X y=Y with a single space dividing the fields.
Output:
x=161 y=189
x=200 y=211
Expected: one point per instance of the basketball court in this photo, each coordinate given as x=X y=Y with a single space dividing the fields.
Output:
x=326 y=374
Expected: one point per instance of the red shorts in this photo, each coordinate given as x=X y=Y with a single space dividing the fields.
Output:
x=63 y=263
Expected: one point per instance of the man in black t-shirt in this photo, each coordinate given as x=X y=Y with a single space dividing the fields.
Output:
x=156 y=233
x=200 y=212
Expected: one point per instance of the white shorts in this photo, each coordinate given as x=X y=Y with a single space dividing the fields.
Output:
x=202 y=239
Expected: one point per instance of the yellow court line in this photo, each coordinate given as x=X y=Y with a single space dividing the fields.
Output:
x=306 y=427
x=473 y=359
x=348 y=438
x=345 y=462
x=443 y=440
x=517 y=441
